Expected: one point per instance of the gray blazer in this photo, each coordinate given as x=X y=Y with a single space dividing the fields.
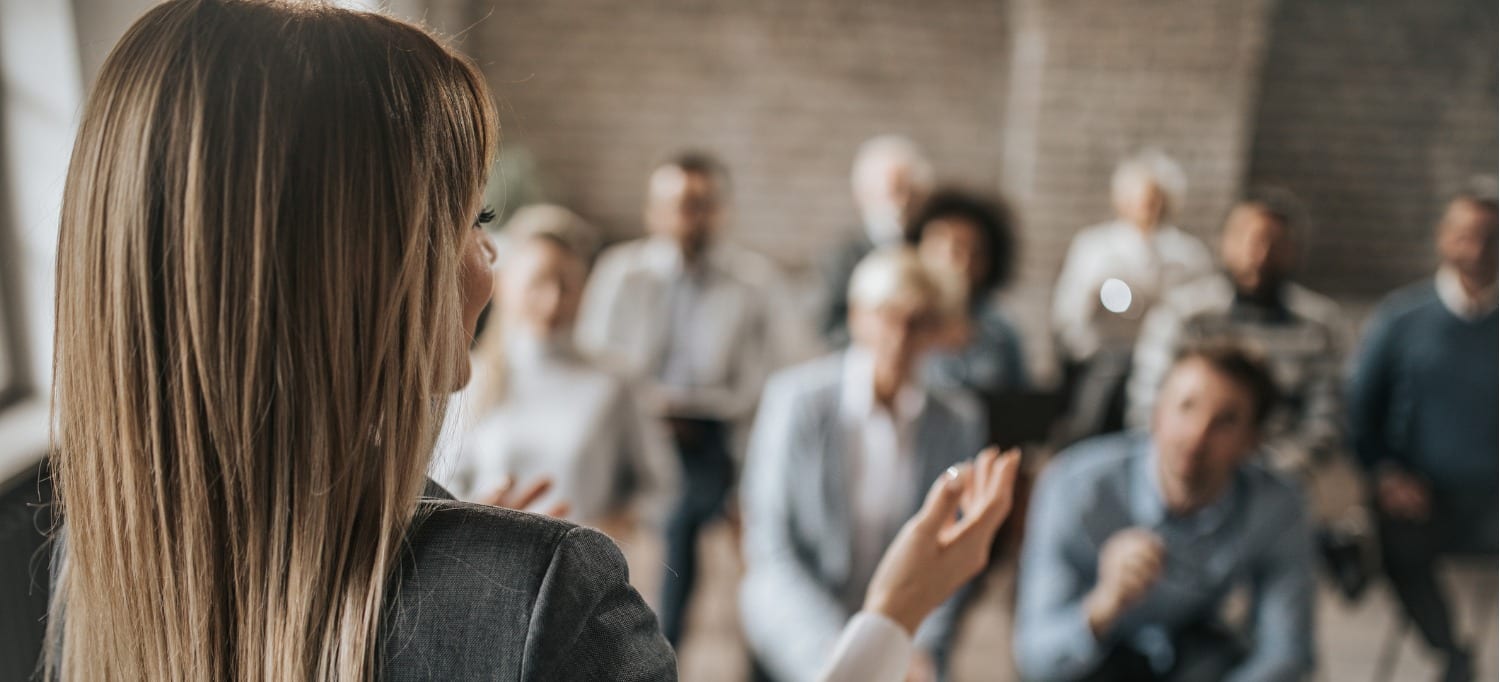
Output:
x=484 y=593
x=492 y=594
x=798 y=531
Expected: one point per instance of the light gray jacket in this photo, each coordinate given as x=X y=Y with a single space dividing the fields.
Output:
x=798 y=530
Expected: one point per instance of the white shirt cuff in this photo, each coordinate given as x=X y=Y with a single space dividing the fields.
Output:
x=872 y=648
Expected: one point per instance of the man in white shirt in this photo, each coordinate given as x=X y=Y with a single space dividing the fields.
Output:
x=891 y=177
x=1113 y=274
x=685 y=314
x=838 y=456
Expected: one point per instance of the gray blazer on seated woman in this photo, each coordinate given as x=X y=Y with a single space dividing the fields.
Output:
x=270 y=268
x=840 y=452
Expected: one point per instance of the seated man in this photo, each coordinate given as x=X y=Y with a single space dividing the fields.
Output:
x=1254 y=302
x=841 y=452
x=1423 y=414
x=1135 y=540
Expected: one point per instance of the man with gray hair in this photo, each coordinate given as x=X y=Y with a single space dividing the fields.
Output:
x=891 y=176
x=1113 y=273
x=839 y=459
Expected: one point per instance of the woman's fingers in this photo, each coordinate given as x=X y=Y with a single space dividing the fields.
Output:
x=532 y=493
x=1006 y=470
x=993 y=501
x=943 y=498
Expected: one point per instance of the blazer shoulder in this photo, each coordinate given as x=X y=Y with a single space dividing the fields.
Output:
x=463 y=595
x=806 y=378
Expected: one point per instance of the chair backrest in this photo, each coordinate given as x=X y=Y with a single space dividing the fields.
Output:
x=1021 y=418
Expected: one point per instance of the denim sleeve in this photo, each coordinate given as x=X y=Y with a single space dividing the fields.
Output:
x=1053 y=640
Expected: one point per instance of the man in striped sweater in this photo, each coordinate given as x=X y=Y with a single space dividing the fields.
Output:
x=1252 y=301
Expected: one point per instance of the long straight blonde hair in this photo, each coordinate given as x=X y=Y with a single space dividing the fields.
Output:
x=259 y=321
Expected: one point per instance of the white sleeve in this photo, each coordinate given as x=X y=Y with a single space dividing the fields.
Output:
x=872 y=648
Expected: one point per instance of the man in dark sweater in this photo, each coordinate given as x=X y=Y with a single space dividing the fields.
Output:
x=1423 y=412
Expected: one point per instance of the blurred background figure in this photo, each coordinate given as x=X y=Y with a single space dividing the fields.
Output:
x=540 y=408
x=972 y=238
x=1423 y=412
x=891 y=177
x=1253 y=301
x=1112 y=275
x=1135 y=540
x=839 y=456
x=685 y=315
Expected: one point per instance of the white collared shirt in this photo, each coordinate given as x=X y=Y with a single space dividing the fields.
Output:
x=1450 y=290
x=566 y=418
x=872 y=648
x=881 y=462
x=1147 y=266
x=702 y=343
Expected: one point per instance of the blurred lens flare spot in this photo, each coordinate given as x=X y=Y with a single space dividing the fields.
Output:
x=1115 y=295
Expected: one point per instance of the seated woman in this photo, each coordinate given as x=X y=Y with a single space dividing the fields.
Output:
x=540 y=408
x=972 y=237
x=269 y=273
x=841 y=449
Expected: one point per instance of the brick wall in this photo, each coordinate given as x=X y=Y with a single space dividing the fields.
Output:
x=1374 y=111
x=1369 y=109
x=1094 y=81
x=598 y=91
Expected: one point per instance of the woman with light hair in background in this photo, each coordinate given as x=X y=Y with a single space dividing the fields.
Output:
x=540 y=408
x=270 y=268
x=841 y=450
x=1112 y=275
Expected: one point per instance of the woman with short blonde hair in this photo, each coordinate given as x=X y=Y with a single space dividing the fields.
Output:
x=269 y=272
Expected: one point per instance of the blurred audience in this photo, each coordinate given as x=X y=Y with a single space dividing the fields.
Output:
x=1423 y=414
x=541 y=409
x=1254 y=302
x=838 y=451
x=1112 y=275
x=685 y=315
x=1135 y=540
x=973 y=238
x=890 y=178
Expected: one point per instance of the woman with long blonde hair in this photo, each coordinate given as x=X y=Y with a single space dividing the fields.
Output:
x=269 y=272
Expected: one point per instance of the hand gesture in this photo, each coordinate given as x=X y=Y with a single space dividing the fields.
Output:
x=936 y=552
x=1129 y=564
x=506 y=496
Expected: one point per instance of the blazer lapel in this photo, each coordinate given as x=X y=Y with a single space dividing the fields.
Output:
x=932 y=451
x=837 y=546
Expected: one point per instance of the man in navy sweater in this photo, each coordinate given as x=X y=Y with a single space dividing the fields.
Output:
x=1423 y=415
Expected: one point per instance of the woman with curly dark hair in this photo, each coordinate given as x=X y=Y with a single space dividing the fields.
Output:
x=973 y=237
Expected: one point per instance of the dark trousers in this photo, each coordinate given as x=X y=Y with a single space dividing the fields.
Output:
x=1204 y=652
x=707 y=473
x=1459 y=524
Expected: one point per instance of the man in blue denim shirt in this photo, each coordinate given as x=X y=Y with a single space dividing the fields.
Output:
x=1135 y=540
